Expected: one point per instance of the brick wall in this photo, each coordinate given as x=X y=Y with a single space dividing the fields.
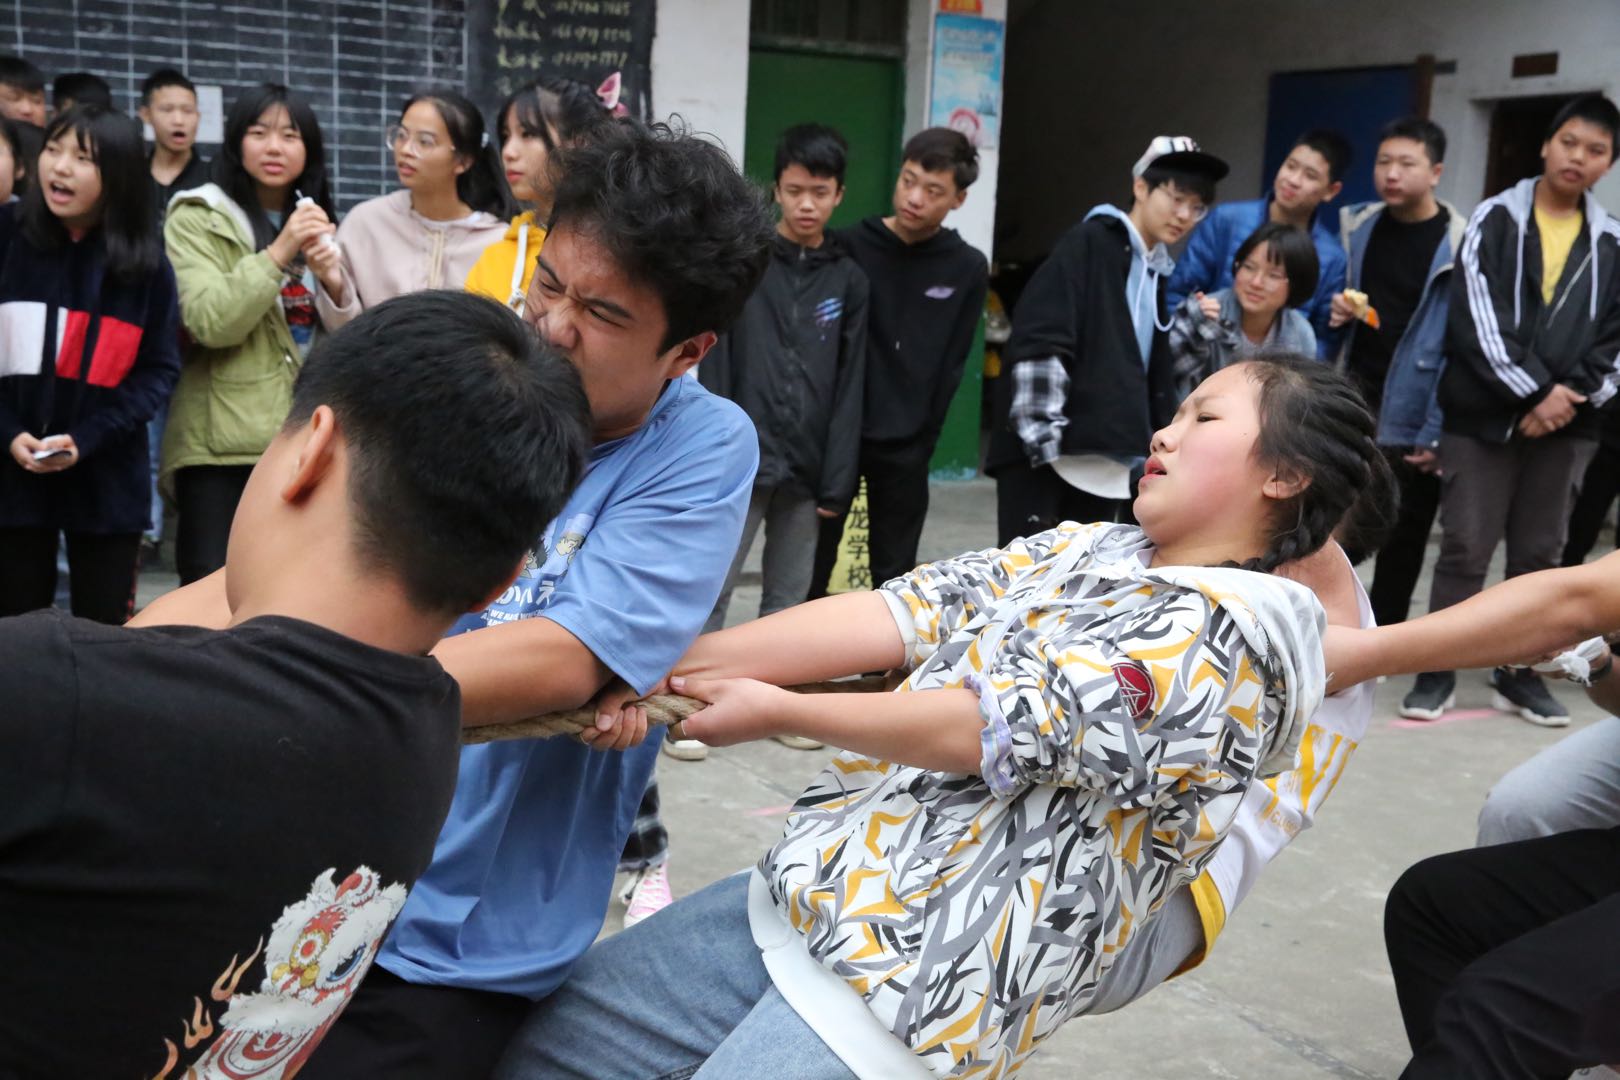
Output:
x=355 y=61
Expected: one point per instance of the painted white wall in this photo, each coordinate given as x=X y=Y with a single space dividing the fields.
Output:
x=700 y=67
x=976 y=220
x=1087 y=85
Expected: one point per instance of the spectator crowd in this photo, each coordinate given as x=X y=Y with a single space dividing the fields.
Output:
x=497 y=444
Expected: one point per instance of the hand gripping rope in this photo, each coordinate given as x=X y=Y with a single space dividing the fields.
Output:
x=667 y=709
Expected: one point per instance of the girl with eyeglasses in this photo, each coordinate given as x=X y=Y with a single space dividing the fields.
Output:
x=250 y=251
x=535 y=121
x=1273 y=274
x=452 y=204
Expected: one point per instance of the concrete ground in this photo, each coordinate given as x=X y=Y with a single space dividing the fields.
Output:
x=1298 y=986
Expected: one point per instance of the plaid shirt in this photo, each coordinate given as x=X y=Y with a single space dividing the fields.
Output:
x=1040 y=391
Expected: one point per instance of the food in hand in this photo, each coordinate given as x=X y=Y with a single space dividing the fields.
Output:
x=1362 y=309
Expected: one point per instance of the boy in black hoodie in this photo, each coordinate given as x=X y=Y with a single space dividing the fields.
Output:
x=1091 y=373
x=1532 y=354
x=928 y=287
x=796 y=361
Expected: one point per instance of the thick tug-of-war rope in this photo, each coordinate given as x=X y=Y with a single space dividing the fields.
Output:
x=661 y=709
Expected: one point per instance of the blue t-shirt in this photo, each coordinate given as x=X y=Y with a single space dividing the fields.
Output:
x=523 y=870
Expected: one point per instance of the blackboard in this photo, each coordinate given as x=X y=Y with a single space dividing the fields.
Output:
x=510 y=42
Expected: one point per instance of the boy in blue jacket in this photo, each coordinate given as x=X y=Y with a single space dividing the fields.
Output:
x=1310 y=177
x=1401 y=251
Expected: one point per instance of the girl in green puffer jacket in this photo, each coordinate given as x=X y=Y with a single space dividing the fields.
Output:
x=247 y=251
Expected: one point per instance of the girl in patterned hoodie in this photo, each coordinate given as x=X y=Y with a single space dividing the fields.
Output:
x=1082 y=714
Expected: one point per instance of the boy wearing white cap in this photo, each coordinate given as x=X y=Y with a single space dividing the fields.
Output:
x=1091 y=377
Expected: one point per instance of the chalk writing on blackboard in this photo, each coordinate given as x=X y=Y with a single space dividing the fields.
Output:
x=514 y=41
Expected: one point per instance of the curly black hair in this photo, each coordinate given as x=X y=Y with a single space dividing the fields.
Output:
x=1314 y=426
x=674 y=213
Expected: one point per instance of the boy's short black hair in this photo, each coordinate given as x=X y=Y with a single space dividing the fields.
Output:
x=1332 y=145
x=1418 y=129
x=81 y=88
x=465 y=435
x=675 y=215
x=1595 y=109
x=1290 y=247
x=163 y=78
x=1186 y=181
x=819 y=149
x=936 y=149
x=21 y=75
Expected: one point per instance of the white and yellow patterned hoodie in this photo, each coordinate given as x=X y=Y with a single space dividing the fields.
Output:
x=1126 y=711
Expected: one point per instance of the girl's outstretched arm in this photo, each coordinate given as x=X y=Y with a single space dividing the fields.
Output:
x=1517 y=621
x=846 y=634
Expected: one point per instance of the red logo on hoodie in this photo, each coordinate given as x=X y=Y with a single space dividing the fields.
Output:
x=1136 y=689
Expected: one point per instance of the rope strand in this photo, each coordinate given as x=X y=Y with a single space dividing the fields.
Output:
x=661 y=709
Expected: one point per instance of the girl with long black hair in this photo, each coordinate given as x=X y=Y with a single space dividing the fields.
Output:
x=87 y=312
x=248 y=250
x=535 y=121
x=452 y=204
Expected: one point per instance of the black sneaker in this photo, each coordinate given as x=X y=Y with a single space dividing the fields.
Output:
x=1522 y=691
x=1432 y=694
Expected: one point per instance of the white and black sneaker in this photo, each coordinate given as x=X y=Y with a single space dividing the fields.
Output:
x=1431 y=695
x=1522 y=691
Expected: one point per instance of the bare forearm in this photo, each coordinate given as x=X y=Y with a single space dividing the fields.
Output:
x=1529 y=616
x=521 y=669
x=929 y=729
x=847 y=634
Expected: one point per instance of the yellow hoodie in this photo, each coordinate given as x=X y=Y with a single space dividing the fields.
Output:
x=494 y=274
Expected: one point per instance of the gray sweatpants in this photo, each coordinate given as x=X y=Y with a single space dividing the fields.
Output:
x=1521 y=491
x=1573 y=784
x=791 y=529
x=1152 y=956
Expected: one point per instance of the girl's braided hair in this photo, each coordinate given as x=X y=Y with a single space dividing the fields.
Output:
x=1315 y=427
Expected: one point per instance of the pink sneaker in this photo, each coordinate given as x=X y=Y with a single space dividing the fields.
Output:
x=647 y=895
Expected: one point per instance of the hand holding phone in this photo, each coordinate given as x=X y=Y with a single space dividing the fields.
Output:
x=52 y=452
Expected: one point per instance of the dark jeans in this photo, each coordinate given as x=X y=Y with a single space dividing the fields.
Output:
x=1520 y=490
x=896 y=476
x=1030 y=500
x=1507 y=959
x=101 y=573
x=205 y=498
x=395 y=1030
x=1598 y=492
x=1400 y=560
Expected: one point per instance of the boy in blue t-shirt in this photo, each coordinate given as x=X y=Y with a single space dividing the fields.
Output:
x=655 y=243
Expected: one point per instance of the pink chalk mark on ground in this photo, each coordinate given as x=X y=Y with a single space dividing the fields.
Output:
x=1451 y=717
x=770 y=811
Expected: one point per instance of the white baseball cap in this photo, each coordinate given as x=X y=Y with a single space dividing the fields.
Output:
x=1179 y=152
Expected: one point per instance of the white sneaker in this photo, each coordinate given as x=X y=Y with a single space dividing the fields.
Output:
x=798 y=742
x=686 y=749
x=646 y=894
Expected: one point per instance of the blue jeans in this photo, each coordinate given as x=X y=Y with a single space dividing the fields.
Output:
x=154 y=447
x=683 y=994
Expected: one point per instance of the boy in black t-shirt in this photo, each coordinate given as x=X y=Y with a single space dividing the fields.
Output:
x=205 y=834
x=1401 y=252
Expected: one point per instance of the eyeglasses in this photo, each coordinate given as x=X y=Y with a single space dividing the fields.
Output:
x=1188 y=206
x=424 y=141
x=1268 y=274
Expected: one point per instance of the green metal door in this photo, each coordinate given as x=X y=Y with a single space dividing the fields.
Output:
x=863 y=97
x=858 y=95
